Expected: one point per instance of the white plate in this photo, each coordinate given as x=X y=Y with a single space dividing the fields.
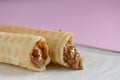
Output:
x=100 y=65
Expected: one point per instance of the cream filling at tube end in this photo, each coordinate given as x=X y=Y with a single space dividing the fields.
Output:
x=39 y=54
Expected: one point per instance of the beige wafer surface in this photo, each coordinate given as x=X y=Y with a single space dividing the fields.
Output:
x=16 y=48
x=56 y=40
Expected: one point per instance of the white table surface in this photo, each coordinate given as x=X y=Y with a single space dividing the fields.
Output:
x=100 y=65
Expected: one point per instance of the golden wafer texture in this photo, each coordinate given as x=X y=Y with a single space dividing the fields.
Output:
x=56 y=40
x=16 y=48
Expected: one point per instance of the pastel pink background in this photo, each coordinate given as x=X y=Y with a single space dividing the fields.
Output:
x=95 y=23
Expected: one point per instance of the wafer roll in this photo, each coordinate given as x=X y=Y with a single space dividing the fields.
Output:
x=60 y=44
x=22 y=50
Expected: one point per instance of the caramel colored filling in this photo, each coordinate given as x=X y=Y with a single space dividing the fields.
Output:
x=72 y=57
x=38 y=56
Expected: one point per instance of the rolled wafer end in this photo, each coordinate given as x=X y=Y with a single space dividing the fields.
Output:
x=39 y=55
x=68 y=55
x=16 y=49
x=65 y=38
